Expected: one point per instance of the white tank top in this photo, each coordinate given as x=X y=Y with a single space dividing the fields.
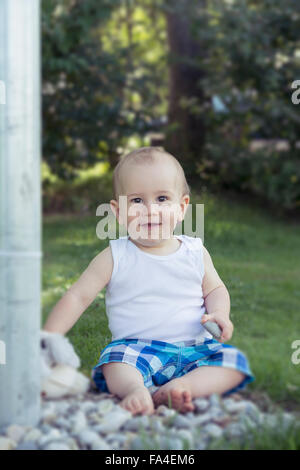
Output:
x=156 y=297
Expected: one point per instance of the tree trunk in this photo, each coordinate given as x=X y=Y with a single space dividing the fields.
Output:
x=187 y=139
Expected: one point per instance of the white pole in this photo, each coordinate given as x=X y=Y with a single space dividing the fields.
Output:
x=20 y=211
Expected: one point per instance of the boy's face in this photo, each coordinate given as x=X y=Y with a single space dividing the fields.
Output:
x=152 y=204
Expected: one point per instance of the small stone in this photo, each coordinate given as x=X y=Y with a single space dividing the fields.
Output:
x=201 y=404
x=213 y=430
x=29 y=445
x=62 y=423
x=236 y=407
x=114 y=445
x=48 y=413
x=86 y=437
x=56 y=445
x=6 y=443
x=137 y=444
x=169 y=442
x=213 y=328
x=234 y=430
x=88 y=406
x=156 y=425
x=201 y=419
x=214 y=400
x=53 y=435
x=100 y=444
x=271 y=421
x=120 y=438
x=286 y=421
x=62 y=407
x=253 y=412
x=227 y=402
x=223 y=420
x=45 y=428
x=215 y=412
x=113 y=421
x=33 y=435
x=176 y=444
x=201 y=440
x=71 y=443
x=136 y=423
x=187 y=438
x=181 y=421
x=78 y=422
x=162 y=410
x=95 y=417
x=247 y=422
x=15 y=432
x=105 y=406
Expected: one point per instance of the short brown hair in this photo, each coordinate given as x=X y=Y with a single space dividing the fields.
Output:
x=147 y=155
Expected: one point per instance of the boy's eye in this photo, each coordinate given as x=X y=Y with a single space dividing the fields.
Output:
x=137 y=199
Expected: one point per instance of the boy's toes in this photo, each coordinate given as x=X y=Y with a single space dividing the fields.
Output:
x=148 y=409
x=136 y=406
x=176 y=399
x=187 y=402
x=129 y=406
x=158 y=398
x=187 y=397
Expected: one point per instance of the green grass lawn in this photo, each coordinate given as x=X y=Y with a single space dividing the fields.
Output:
x=258 y=258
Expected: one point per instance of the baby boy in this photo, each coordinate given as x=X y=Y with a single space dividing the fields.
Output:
x=158 y=288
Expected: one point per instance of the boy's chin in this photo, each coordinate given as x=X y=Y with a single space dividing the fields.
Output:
x=148 y=239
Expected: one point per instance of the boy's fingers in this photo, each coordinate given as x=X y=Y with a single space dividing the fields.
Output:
x=206 y=318
x=226 y=333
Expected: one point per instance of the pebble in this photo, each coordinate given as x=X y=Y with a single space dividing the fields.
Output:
x=6 y=443
x=201 y=404
x=78 y=421
x=213 y=430
x=29 y=445
x=15 y=432
x=56 y=445
x=181 y=421
x=187 y=438
x=114 y=420
x=96 y=421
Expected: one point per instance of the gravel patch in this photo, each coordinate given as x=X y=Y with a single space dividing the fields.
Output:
x=95 y=421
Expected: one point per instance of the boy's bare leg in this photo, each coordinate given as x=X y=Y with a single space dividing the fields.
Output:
x=127 y=382
x=200 y=382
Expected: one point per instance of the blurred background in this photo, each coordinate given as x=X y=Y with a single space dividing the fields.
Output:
x=211 y=82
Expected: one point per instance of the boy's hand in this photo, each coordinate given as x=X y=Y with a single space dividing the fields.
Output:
x=224 y=323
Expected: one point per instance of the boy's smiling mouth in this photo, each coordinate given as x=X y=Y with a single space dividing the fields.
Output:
x=149 y=224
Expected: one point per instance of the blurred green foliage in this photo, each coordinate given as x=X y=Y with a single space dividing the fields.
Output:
x=105 y=79
x=92 y=88
x=252 y=58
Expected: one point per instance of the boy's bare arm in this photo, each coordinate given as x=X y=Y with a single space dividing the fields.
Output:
x=81 y=294
x=216 y=296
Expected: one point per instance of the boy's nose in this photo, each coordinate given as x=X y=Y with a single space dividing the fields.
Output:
x=151 y=210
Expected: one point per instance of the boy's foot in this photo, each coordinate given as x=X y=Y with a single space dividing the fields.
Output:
x=176 y=394
x=138 y=401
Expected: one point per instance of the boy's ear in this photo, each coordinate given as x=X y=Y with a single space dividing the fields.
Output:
x=116 y=210
x=183 y=207
x=114 y=207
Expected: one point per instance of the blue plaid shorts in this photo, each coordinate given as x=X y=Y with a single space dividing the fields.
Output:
x=159 y=362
